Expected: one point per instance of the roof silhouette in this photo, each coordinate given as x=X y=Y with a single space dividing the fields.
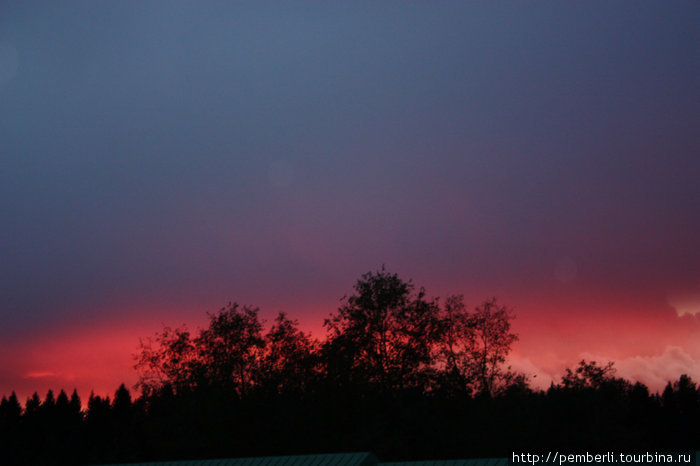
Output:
x=347 y=459
x=330 y=459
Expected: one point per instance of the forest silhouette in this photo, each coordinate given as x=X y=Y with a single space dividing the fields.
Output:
x=398 y=374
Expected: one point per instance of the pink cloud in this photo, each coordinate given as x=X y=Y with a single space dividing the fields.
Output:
x=40 y=375
x=655 y=371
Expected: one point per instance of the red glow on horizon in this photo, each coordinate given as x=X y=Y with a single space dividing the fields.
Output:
x=651 y=347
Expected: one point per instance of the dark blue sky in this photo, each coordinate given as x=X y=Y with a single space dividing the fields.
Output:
x=166 y=158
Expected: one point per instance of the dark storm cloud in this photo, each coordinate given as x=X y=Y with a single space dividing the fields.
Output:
x=155 y=154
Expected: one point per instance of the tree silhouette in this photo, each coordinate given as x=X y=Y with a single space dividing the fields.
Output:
x=490 y=343
x=74 y=406
x=229 y=350
x=384 y=332
x=225 y=390
x=98 y=410
x=49 y=404
x=588 y=375
x=31 y=408
x=290 y=362
x=122 y=400
x=10 y=435
x=668 y=398
x=474 y=346
x=687 y=396
x=169 y=359
x=10 y=410
x=453 y=346
x=62 y=405
x=225 y=354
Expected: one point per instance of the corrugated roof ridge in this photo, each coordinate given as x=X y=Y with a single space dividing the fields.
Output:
x=318 y=459
x=453 y=462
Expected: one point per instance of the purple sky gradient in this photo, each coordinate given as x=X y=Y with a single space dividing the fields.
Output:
x=158 y=161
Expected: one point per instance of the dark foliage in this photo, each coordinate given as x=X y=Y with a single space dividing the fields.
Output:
x=398 y=374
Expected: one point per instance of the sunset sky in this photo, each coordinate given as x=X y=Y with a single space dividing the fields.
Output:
x=160 y=159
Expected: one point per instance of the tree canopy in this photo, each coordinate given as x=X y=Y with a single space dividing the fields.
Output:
x=387 y=335
x=402 y=374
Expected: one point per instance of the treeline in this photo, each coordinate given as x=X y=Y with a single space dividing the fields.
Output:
x=401 y=375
